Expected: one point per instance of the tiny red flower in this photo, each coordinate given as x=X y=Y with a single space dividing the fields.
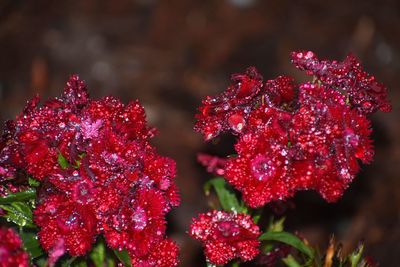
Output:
x=226 y=236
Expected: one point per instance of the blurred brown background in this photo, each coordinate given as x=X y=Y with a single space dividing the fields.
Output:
x=170 y=54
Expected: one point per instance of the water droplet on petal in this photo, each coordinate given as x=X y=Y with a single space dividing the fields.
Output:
x=236 y=122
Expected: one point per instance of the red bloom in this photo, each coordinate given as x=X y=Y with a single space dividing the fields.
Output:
x=308 y=138
x=138 y=223
x=226 y=236
x=365 y=93
x=327 y=139
x=98 y=172
x=261 y=169
x=11 y=252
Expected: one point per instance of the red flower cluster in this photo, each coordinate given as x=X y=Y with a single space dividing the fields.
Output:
x=11 y=252
x=98 y=173
x=226 y=236
x=291 y=138
x=363 y=91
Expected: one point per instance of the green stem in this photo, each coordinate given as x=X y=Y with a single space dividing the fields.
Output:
x=235 y=264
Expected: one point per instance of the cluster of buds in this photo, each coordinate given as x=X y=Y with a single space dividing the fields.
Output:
x=98 y=175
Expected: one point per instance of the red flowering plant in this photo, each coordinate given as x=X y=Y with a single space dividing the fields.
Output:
x=290 y=137
x=85 y=186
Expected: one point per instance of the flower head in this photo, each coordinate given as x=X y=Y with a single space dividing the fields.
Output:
x=98 y=173
x=226 y=236
x=298 y=137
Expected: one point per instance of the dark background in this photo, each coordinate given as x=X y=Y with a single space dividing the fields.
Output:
x=170 y=54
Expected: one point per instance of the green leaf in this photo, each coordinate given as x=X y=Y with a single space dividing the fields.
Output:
x=32 y=182
x=289 y=239
x=42 y=262
x=98 y=254
x=69 y=262
x=355 y=257
x=19 y=196
x=267 y=248
x=256 y=218
x=31 y=244
x=227 y=198
x=110 y=262
x=81 y=263
x=19 y=213
x=276 y=226
x=62 y=161
x=75 y=262
x=123 y=257
x=290 y=261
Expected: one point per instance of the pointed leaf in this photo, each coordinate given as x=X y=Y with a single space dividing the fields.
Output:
x=19 y=213
x=31 y=244
x=227 y=198
x=62 y=161
x=19 y=196
x=42 y=262
x=98 y=254
x=289 y=239
x=276 y=226
x=68 y=262
x=355 y=257
x=290 y=261
x=123 y=257
x=33 y=182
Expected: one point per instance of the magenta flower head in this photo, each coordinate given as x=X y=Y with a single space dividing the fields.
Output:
x=98 y=174
x=226 y=236
x=11 y=252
